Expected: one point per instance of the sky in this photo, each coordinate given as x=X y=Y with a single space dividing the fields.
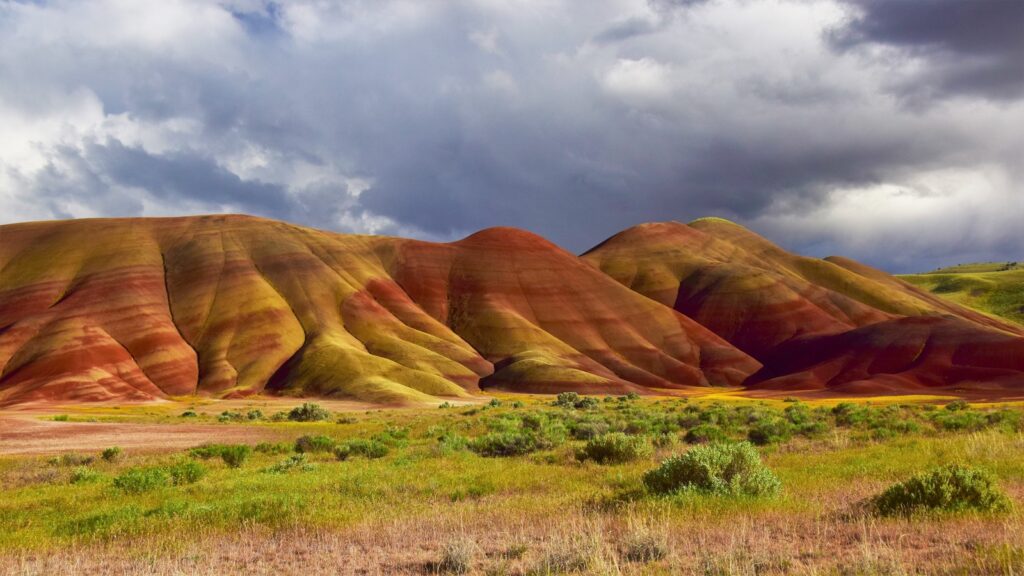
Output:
x=891 y=131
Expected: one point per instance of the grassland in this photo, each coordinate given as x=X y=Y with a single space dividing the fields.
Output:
x=433 y=503
x=996 y=288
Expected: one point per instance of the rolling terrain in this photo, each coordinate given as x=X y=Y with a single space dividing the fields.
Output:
x=996 y=288
x=232 y=306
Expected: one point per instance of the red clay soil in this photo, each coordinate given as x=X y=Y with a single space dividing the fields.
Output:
x=30 y=435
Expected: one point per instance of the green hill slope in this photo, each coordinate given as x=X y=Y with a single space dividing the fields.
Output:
x=995 y=288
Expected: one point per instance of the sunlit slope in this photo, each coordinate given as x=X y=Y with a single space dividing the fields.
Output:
x=993 y=288
x=812 y=323
x=138 y=309
x=551 y=322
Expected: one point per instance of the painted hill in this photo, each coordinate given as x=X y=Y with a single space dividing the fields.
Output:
x=138 y=309
x=995 y=288
x=812 y=323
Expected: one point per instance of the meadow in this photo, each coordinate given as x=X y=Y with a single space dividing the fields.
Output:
x=523 y=485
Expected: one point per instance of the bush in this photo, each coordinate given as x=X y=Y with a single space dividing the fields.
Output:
x=705 y=433
x=515 y=443
x=494 y=403
x=451 y=442
x=235 y=455
x=186 y=472
x=718 y=468
x=567 y=400
x=111 y=454
x=957 y=405
x=342 y=452
x=272 y=448
x=309 y=444
x=72 y=459
x=950 y=488
x=615 y=448
x=588 y=429
x=254 y=415
x=61 y=418
x=189 y=414
x=207 y=451
x=138 y=480
x=296 y=462
x=308 y=412
x=83 y=475
x=371 y=449
x=772 y=430
x=228 y=416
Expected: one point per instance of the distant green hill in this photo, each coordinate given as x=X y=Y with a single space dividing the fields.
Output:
x=993 y=287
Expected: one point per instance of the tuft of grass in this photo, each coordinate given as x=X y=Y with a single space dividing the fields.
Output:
x=645 y=541
x=950 y=488
x=458 y=556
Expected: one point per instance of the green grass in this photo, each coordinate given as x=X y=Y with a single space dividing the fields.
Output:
x=993 y=288
x=430 y=471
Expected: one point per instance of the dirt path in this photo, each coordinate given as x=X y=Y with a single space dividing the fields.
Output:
x=29 y=435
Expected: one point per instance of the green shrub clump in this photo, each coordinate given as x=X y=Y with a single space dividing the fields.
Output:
x=314 y=444
x=235 y=455
x=308 y=412
x=371 y=449
x=111 y=454
x=771 y=430
x=704 y=433
x=514 y=443
x=950 y=488
x=186 y=472
x=139 y=480
x=615 y=448
x=717 y=468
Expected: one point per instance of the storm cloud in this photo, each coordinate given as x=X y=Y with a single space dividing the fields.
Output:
x=832 y=126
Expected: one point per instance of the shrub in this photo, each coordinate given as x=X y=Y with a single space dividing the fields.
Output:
x=254 y=415
x=393 y=436
x=772 y=430
x=450 y=442
x=371 y=449
x=615 y=448
x=719 y=468
x=207 y=451
x=446 y=404
x=705 y=433
x=309 y=444
x=957 y=405
x=517 y=404
x=587 y=429
x=189 y=414
x=61 y=418
x=567 y=400
x=346 y=420
x=494 y=403
x=272 y=448
x=83 y=475
x=235 y=455
x=515 y=443
x=951 y=488
x=138 y=480
x=959 y=419
x=295 y=462
x=186 y=472
x=111 y=454
x=228 y=416
x=308 y=412
x=342 y=452
x=72 y=459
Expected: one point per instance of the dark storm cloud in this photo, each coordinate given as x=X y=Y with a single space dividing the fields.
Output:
x=973 y=47
x=437 y=119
